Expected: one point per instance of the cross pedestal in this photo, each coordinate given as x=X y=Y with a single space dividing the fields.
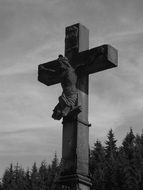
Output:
x=75 y=144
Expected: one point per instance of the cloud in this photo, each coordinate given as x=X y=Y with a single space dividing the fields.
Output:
x=25 y=102
x=24 y=29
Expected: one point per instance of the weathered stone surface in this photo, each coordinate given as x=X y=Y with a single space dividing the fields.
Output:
x=75 y=146
x=86 y=62
x=72 y=180
x=79 y=130
x=46 y=77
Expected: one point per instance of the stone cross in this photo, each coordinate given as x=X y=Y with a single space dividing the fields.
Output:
x=75 y=145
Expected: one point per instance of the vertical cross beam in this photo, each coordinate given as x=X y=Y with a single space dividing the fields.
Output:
x=75 y=145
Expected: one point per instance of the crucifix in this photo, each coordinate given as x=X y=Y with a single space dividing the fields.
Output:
x=82 y=62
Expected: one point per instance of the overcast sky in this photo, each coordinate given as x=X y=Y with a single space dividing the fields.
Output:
x=31 y=33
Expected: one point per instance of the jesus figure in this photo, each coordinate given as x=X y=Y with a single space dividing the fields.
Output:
x=68 y=99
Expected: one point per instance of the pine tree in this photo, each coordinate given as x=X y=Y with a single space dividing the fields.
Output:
x=141 y=167
x=43 y=173
x=130 y=172
x=8 y=179
x=19 y=178
x=97 y=165
x=35 y=180
x=128 y=144
x=54 y=172
x=111 y=147
x=138 y=159
x=141 y=144
x=27 y=180
x=111 y=162
x=55 y=163
x=1 y=188
x=97 y=155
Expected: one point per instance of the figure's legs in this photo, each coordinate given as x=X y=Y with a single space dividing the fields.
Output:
x=63 y=110
x=66 y=111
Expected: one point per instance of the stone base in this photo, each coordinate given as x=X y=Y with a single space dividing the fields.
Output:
x=77 y=180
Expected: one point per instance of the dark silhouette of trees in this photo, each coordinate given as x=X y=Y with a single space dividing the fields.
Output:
x=42 y=178
x=97 y=166
x=111 y=168
x=111 y=147
x=118 y=168
x=111 y=162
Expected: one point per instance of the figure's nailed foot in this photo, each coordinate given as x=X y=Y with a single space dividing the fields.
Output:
x=75 y=110
x=67 y=112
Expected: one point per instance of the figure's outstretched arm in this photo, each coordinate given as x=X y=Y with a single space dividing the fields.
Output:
x=47 y=69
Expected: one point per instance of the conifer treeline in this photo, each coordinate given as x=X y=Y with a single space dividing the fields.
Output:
x=111 y=168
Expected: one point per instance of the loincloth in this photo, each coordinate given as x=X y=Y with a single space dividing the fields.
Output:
x=69 y=100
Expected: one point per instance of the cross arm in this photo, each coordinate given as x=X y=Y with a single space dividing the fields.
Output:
x=48 y=73
x=96 y=59
x=86 y=62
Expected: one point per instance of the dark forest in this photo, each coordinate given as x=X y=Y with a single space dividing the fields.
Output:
x=111 y=168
